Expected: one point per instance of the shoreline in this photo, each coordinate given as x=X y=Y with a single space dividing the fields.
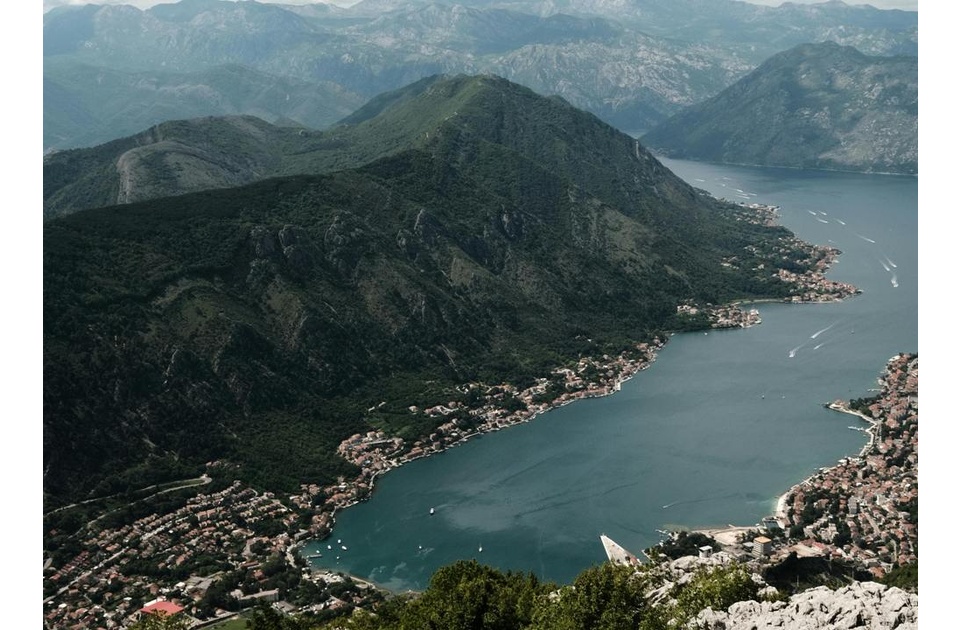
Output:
x=785 y=166
x=781 y=510
x=841 y=407
x=593 y=390
x=813 y=288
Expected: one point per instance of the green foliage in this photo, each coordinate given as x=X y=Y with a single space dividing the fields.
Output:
x=686 y=544
x=161 y=621
x=717 y=588
x=604 y=597
x=266 y=618
x=905 y=576
x=863 y=405
x=470 y=596
x=794 y=574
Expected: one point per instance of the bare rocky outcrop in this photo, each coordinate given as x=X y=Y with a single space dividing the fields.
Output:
x=859 y=605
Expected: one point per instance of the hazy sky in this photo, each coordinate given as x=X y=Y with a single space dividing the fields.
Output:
x=910 y=5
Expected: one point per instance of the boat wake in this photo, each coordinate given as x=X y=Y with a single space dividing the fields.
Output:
x=821 y=331
x=839 y=221
x=733 y=495
x=894 y=281
x=885 y=265
x=869 y=240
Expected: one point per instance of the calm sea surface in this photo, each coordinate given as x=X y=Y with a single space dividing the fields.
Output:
x=711 y=434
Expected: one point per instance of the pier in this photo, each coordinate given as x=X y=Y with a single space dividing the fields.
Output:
x=617 y=554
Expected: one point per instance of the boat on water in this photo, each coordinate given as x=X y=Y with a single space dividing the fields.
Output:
x=432 y=512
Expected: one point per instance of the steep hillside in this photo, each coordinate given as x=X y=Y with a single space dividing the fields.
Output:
x=171 y=158
x=188 y=156
x=260 y=325
x=814 y=106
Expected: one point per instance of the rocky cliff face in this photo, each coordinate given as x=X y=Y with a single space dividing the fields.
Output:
x=814 y=106
x=860 y=605
x=857 y=605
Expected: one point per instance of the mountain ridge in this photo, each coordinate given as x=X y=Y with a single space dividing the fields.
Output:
x=813 y=106
x=416 y=115
x=630 y=73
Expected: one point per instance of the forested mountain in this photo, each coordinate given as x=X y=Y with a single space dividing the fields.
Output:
x=632 y=64
x=481 y=232
x=188 y=156
x=814 y=106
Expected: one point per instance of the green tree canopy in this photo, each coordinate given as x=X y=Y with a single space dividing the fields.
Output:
x=161 y=620
x=469 y=596
x=605 y=597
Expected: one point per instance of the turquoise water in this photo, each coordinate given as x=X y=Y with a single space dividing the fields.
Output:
x=711 y=434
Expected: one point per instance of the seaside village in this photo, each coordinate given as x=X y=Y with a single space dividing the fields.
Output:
x=863 y=511
x=231 y=547
x=865 y=507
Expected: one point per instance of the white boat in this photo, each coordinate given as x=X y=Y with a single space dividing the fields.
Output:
x=481 y=549
x=431 y=511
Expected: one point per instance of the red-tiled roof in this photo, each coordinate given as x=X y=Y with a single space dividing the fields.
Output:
x=168 y=608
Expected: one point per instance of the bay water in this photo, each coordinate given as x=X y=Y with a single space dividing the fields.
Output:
x=711 y=434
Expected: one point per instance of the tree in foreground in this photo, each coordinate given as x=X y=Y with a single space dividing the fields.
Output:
x=717 y=588
x=161 y=620
x=604 y=597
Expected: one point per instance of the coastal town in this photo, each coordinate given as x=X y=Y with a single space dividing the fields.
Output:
x=861 y=512
x=865 y=508
x=230 y=546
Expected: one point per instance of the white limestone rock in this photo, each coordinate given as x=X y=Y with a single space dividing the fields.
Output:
x=860 y=605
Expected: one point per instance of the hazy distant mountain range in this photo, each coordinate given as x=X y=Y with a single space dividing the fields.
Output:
x=631 y=63
x=467 y=229
x=814 y=106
